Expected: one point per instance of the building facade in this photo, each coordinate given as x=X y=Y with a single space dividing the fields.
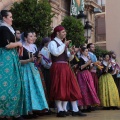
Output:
x=90 y=6
x=61 y=8
x=100 y=26
x=6 y=4
x=112 y=27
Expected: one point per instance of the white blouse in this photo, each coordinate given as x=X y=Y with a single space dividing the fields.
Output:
x=30 y=47
x=44 y=51
x=56 y=51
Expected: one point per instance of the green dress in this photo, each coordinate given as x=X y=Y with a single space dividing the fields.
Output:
x=11 y=84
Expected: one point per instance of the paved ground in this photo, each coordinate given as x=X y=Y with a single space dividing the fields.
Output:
x=94 y=115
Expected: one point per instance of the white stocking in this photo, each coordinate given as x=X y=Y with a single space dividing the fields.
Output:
x=65 y=105
x=59 y=105
x=74 y=106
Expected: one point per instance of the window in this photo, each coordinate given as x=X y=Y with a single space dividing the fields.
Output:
x=100 y=34
x=65 y=4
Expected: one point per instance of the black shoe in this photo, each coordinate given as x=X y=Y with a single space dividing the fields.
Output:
x=85 y=110
x=38 y=113
x=30 y=116
x=66 y=113
x=27 y=116
x=49 y=112
x=18 y=118
x=3 y=118
x=33 y=115
x=114 y=108
x=79 y=113
x=61 y=114
x=91 y=108
x=106 y=108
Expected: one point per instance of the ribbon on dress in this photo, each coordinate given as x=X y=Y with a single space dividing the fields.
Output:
x=115 y=65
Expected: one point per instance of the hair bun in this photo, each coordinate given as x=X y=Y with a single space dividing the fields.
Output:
x=0 y=16
x=4 y=13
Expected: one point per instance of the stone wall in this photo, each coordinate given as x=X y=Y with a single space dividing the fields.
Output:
x=6 y=4
x=60 y=8
x=113 y=26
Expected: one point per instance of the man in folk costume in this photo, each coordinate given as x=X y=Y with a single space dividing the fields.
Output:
x=64 y=86
x=93 y=57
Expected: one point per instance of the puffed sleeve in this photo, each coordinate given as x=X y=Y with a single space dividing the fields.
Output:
x=54 y=50
x=5 y=36
x=80 y=63
x=43 y=62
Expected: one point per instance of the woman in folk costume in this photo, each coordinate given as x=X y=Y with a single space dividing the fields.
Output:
x=11 y=83
x=114 y=63
x=35 y=52
x=34 y=93
x=108 y=92
x=85 y=80
x=64 y=86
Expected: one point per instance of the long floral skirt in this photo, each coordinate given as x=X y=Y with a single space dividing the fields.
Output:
x=108 y=91
x=89 y=95
x=34 y=93
x=95 y=80
x=11 y=84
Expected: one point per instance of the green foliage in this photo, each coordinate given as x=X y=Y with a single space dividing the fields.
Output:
x=100 y=52
x=75 y=30
x=33 y=15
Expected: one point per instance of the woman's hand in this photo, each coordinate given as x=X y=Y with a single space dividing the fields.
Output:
x=89 y=62
x=109 y=62
x=32 y=59
x=19 y=44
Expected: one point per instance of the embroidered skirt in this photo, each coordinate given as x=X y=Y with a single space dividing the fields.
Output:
x=11 y=84
x=108 y=91
x=34 y=92
x=95 y=80
x=89 y=95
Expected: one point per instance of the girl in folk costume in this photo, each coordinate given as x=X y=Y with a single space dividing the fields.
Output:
x=11 y=82
x=108 y=92
x=85 y=80
x=114 y=63
x=35 y=51
x=64 y=86
x=34 y=93
x=46 y=63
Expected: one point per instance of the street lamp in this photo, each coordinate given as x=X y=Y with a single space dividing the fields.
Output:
x=87 y=33
x=82 y=16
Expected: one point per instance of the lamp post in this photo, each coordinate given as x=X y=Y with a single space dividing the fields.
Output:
x=87 y=28
x=82 y=16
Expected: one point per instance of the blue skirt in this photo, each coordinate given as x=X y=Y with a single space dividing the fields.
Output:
x=34 y=93
x=11 y=84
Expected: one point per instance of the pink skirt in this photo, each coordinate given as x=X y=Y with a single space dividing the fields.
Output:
x=64 y=85
x=95 y=80
x=89 y=95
